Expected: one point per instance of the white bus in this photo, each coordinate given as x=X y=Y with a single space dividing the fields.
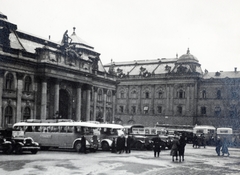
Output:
x=209 y=132
x=66 y=134
x=225 y=133
x=108 y=132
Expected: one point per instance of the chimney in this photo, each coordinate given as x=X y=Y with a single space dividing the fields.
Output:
x=235 y=69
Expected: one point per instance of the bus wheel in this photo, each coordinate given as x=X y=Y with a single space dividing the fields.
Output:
x=105 y=146
x=77 y=146
x=139 y=146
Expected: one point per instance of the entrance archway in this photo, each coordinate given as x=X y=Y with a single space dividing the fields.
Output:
x=63 y=103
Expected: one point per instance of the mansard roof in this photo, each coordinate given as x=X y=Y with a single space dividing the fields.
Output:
x=157 y=66
x=221 y=74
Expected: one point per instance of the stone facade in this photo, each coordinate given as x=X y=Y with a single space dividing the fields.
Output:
x=42 y=79
x=175 y=91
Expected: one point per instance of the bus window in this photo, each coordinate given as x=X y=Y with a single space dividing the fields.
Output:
x=63 y=129
x=146 y=131
x=28 y=129
x=70 y=129
x=153 y=131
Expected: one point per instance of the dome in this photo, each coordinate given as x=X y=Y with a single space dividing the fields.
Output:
x=187 y=58
x=77 y=40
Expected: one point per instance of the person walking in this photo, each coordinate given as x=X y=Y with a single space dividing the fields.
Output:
x=181 y=148
x=218 y=146
x=83 y=145
x=114 y=146
x=225 y=147
x=174 y=150
x=128 y=142
x=157 y=145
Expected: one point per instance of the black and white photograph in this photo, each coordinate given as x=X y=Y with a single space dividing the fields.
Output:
x=113 y=87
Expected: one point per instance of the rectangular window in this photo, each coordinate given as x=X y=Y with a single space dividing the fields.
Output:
x=203 y=110
x=159 y=109
x=121 y=109
x=145 y=110
x=179 y=110
x=133 y=109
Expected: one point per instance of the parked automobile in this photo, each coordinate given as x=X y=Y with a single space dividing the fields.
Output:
x=6 y=145
x=20 y=143
x=167 y=142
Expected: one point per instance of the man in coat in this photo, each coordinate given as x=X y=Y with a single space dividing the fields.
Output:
x=157 y=145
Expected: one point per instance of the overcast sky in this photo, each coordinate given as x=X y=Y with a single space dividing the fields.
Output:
x=127 y=30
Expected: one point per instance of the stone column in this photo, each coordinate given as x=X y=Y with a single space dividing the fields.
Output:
x=56 y=97
x=44 y=99
x=113 y=104
x=88 y=103
x=79 y=102
x=167 y=100
x=104 y=104
x=95 y=103
x=19 y=97
x=1 y=92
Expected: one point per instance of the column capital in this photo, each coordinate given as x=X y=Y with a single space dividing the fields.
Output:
x=2 y=72
x=114 y=92
x=105 y=91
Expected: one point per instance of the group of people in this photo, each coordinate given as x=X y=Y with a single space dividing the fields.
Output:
x=222 y=146
x=177 y=150
x=121 y=144
x=199 y=141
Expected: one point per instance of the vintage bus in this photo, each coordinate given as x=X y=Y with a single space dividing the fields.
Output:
x=176 y=130
x=137 y=131
x=108 y=132
x=225 y=133
x=61 y=134
x=209 y=132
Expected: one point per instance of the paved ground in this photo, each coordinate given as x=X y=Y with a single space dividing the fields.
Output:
x=197 y=161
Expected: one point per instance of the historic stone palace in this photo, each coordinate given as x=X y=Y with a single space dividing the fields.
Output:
x=176 y=92
x=42 y=79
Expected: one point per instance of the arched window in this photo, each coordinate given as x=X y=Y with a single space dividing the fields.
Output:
x=26 y=113
x=8 y=115
x=100 y=95
x=28 y=83
x=9 y=81
x=160 y=94
x=134 y=94
x=122 y=94
x=181 y=94
x=147 y=95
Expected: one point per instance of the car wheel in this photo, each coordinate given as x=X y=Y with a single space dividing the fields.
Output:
x=105 y=146
x=8 y=150
x=18 y=150
x=139 y=146
x=78 y=146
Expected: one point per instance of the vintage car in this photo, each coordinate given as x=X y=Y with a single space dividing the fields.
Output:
x=20 y=143
x=6 y=145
